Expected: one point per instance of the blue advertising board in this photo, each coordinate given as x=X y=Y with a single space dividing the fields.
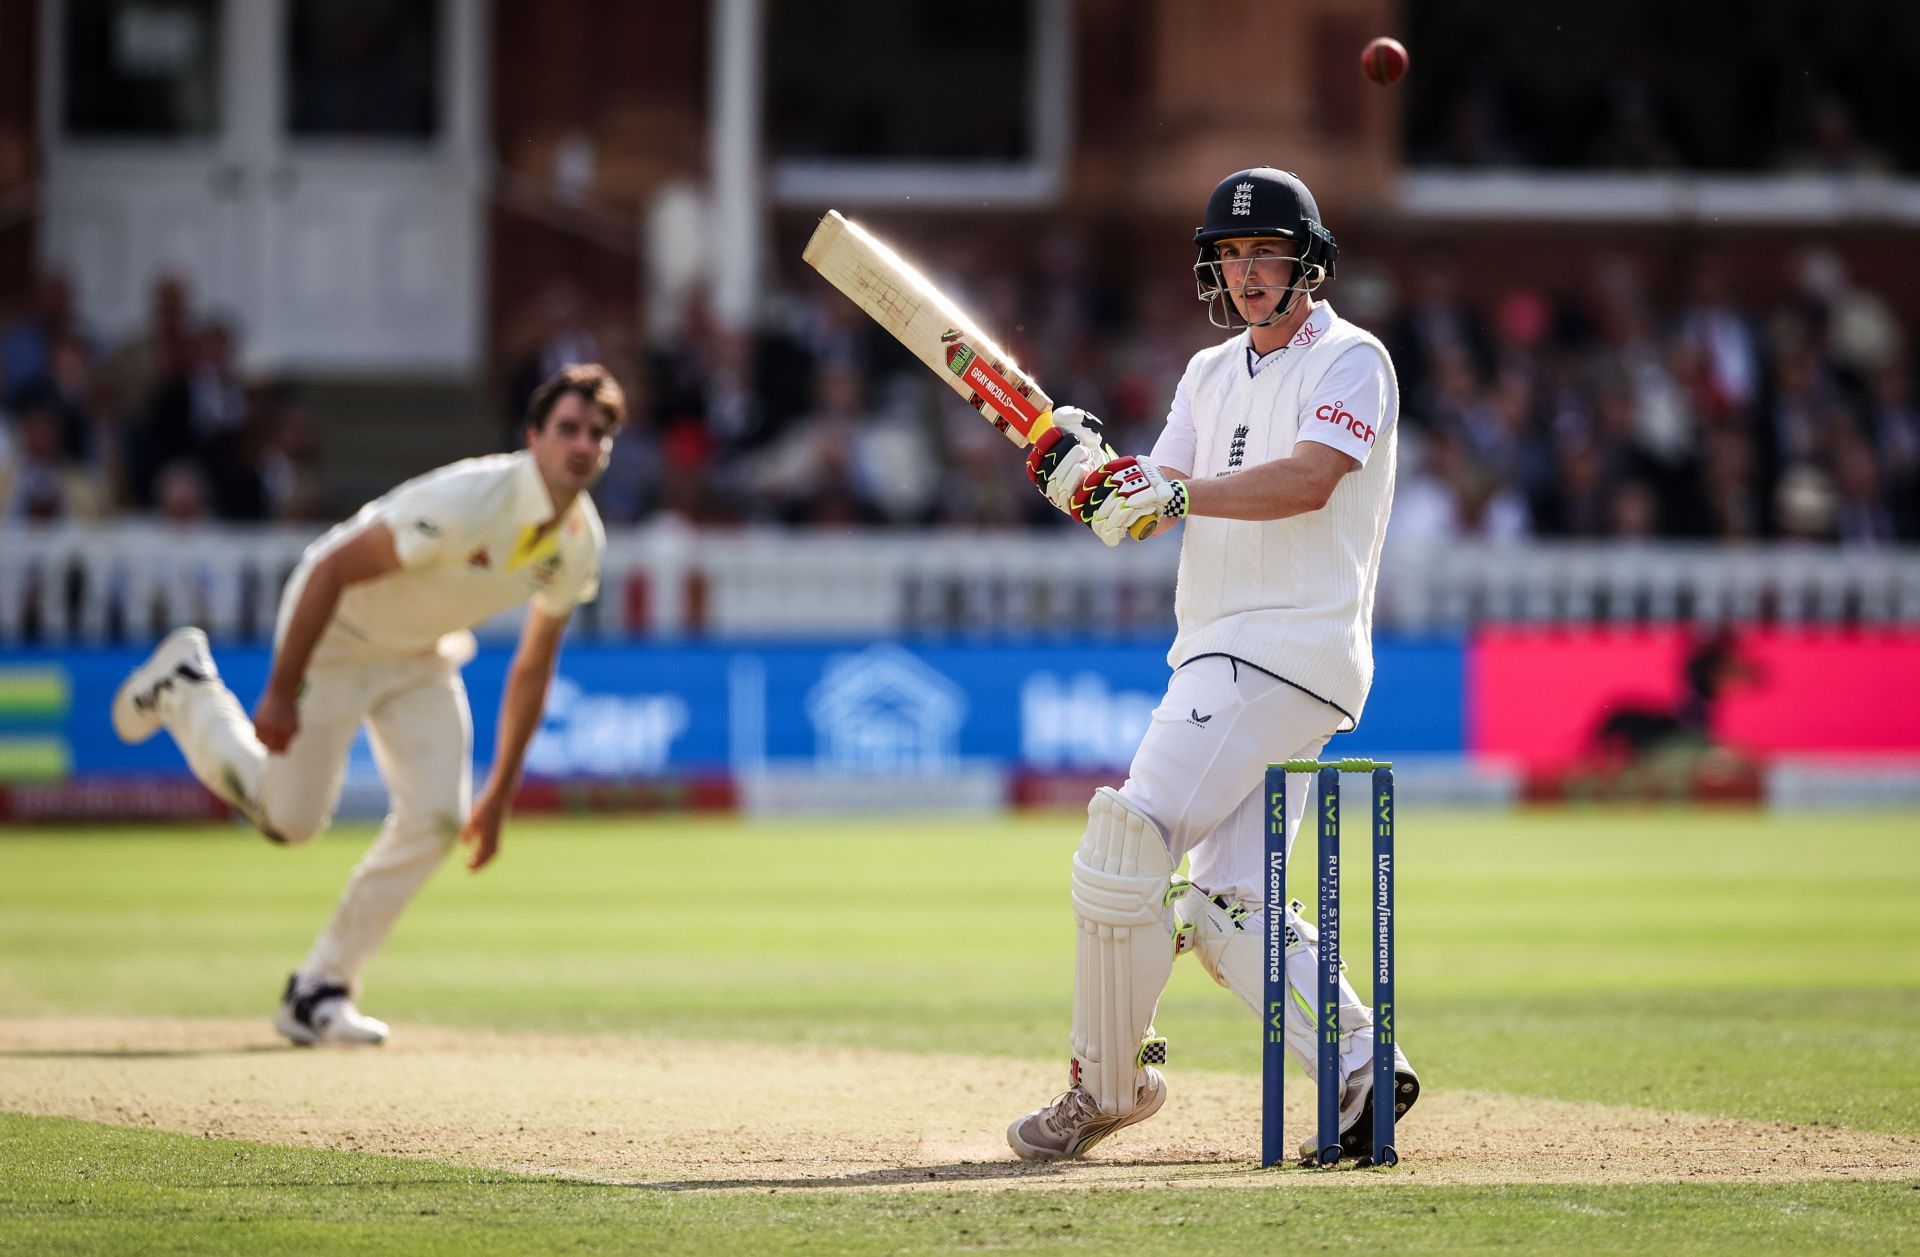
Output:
x=655 y=710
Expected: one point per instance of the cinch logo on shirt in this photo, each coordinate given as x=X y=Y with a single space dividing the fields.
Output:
x=1336 y=413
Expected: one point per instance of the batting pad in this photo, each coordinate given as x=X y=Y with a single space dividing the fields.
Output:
x=1124 y=948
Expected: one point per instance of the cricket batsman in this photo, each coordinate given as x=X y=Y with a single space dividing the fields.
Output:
x=1278 y=453
x=374 y=627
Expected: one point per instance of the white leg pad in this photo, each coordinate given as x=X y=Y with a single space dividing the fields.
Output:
x=1230 y=944
x=1124 y=951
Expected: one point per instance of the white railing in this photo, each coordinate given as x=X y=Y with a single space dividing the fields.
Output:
x=131 y=581
x=1568 y=582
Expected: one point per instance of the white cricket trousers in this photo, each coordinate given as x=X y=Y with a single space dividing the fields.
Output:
x=415 y=711
x=1201 y=770
x=1200 y=773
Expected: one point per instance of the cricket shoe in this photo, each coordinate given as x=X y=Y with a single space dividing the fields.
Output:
x=324 y=1013
x=1356 y=1111
x=181 y=658
x=1073 y=1124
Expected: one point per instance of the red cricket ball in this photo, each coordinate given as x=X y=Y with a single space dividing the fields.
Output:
x=1384 y=60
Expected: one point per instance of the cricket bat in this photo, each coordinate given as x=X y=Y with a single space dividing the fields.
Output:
x=925 y=320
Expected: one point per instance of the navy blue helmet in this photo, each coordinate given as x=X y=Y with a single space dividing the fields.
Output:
x=1256 y=203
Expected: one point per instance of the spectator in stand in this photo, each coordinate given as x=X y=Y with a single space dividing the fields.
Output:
x=1521 y=323
x=26 y=346
x=236 y=459
x=1436 y=327
x=201 y=402
x=631 y=486
x=1857 y=328
x=1803 y=390
x=1893 y=427
x=1805 y=504
x=1579 y=508
x=1634 y=511
x=40 y=481
x=811 y=475
x=141 y=365
x=181 y=495
x=292 y=469
x=1861 y=515
x=218 y=395
x=895 y=459
x=1728 y=357
x=1731 y=492
x=1517 y=406
x=1445 y=496
x=68 y=387
x=734 y=417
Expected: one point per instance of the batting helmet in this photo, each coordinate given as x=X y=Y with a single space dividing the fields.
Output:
x=1262 y=202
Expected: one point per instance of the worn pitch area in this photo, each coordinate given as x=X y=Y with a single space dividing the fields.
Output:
x=680 y=1114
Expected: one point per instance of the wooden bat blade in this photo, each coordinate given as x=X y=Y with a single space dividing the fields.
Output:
x=928 y=322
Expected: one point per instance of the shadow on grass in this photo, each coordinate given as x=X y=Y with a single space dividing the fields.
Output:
x=137 y=1054
x=901 y=1176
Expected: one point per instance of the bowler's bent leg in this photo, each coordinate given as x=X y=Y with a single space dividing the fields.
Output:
x=422 y=735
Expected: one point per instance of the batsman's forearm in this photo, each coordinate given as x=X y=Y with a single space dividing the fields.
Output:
x=520 y=708
x=312 y=612
x=1276 y=490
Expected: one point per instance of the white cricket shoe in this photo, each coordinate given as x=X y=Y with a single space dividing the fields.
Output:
x=1072 y=1124
x=181 y=658
x=315 y=1013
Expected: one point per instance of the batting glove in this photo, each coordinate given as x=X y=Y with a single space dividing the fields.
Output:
x=1129 y=497
x=1059 y=461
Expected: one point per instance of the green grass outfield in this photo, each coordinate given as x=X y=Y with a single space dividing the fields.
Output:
x=1723 y=963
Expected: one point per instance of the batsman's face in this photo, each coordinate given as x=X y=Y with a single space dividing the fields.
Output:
x=1256 y=272
x=572 y=449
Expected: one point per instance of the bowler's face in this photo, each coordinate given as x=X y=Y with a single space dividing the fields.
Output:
x=572 y=449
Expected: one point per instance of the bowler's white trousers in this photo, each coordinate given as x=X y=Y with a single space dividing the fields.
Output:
x=415 y=711
x=1200 y=774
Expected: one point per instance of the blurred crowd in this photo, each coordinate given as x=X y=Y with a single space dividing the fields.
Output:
x=1604 y=414
x=163 y=424
x=1597 y=413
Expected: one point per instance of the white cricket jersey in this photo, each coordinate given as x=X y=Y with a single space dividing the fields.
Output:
x=1293 y=597
x=470 y=546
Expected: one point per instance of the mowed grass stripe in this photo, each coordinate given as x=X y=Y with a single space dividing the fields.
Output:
x=75 y=1187
x=1711 y=961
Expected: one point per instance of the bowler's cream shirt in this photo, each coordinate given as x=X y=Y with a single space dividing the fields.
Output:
x=470 y=546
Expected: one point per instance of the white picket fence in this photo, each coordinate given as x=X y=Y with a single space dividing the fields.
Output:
x=131 y=581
